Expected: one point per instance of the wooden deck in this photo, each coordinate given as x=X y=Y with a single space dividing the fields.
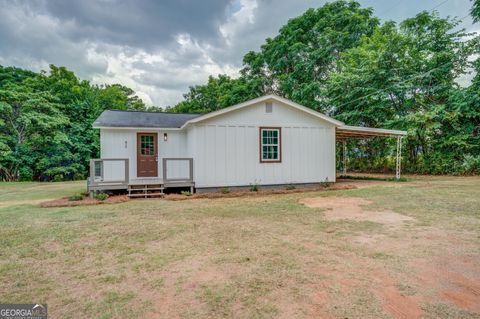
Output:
x=137 y=187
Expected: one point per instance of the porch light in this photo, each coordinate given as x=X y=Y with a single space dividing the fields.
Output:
x=165 y=137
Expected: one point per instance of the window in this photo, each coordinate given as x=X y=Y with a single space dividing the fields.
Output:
x=270 y=145
x=147 y=145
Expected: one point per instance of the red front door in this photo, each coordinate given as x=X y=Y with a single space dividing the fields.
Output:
x=147 y=154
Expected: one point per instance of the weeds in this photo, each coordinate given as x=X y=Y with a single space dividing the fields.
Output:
x=101 y=196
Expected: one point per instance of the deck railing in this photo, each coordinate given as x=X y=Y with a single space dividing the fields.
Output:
x=111 y=172
x=177 y=169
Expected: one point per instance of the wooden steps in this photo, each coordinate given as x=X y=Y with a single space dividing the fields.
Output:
x=146 y=190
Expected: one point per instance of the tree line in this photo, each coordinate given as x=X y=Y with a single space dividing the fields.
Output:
x=46 y=122
x=338 y=59
x=341 y=60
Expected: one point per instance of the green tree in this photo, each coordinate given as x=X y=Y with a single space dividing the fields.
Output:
x=46 y=122
x=30 y=123
x=299 y=60
x=218 y=93
x=403 y=78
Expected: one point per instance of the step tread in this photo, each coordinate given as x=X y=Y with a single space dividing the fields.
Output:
x=145 y=195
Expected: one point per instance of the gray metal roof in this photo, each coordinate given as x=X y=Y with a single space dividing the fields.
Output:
x=115 y=118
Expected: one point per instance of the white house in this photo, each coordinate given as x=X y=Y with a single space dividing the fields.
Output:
x=265 y=141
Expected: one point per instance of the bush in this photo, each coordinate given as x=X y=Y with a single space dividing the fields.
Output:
x=75 y=197
x=78 y=176
x=254 y=188
x=101 y=196
x=325 y=184
x=224 y=190
x=290 y=187
x=58 y=178
x=26 y=174
x=186 y=193
x=471 y=164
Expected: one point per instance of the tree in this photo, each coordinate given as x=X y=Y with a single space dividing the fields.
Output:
x=475 y=11
x=46 y=122
x=403 y=78
x=218 y=93
x=299 y=60
x=29 y=121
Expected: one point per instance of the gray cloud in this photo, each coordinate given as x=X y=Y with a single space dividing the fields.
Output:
x=159 y=48
x=139 y=23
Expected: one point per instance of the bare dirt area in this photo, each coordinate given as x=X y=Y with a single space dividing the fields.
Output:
x=66 y=202
x=264 y=192
x=351 y=208
x=441 y=266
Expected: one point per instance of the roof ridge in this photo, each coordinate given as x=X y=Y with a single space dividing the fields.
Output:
x=137 y=111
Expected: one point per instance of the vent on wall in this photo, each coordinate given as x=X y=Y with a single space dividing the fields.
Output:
x=268 y=107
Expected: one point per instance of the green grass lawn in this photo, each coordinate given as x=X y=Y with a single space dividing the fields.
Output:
x=258 y=257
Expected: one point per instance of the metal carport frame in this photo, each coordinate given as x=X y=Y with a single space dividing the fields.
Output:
x=357 y=132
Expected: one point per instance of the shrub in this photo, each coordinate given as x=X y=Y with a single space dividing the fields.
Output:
x=325 y=184
x=253 y=187
x=186 y=193
x=58 y=178
x=78 y=176
x=471 y=164
x=26 y=174
x=224 y=190
x=101 y=196
x=75 y=197
x=290 y=187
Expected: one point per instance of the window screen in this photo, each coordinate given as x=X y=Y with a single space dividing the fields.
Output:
x=270 y=144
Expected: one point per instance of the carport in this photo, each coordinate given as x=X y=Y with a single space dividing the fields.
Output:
x=343 y=133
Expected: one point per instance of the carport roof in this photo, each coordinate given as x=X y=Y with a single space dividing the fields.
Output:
x=359 y=132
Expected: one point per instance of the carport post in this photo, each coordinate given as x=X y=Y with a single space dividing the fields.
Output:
x=399 y=158
x=344 y=157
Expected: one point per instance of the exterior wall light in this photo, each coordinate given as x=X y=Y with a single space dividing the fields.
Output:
x=165 y=137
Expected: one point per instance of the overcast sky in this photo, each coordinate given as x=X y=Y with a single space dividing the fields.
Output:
x=159 y=48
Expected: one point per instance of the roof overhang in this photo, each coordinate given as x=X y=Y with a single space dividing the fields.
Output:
x=359 y=132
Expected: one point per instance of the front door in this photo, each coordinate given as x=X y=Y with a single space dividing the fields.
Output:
x=147 y=155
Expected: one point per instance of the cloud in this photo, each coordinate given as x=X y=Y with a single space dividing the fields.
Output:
x=158 y=48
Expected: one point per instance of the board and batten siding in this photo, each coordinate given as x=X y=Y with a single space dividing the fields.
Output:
x=122 y=143
x=226 y=148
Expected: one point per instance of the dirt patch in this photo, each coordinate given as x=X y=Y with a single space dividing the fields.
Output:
x=455 y=278
x=395 y=302
x=338 y=208
x=65 y=202
x=368 y=183
x=212 y=195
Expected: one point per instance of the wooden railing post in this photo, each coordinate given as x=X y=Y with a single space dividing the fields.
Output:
x=191 y=168
x=164 y=169
x=127 y=171
x=92 y=169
